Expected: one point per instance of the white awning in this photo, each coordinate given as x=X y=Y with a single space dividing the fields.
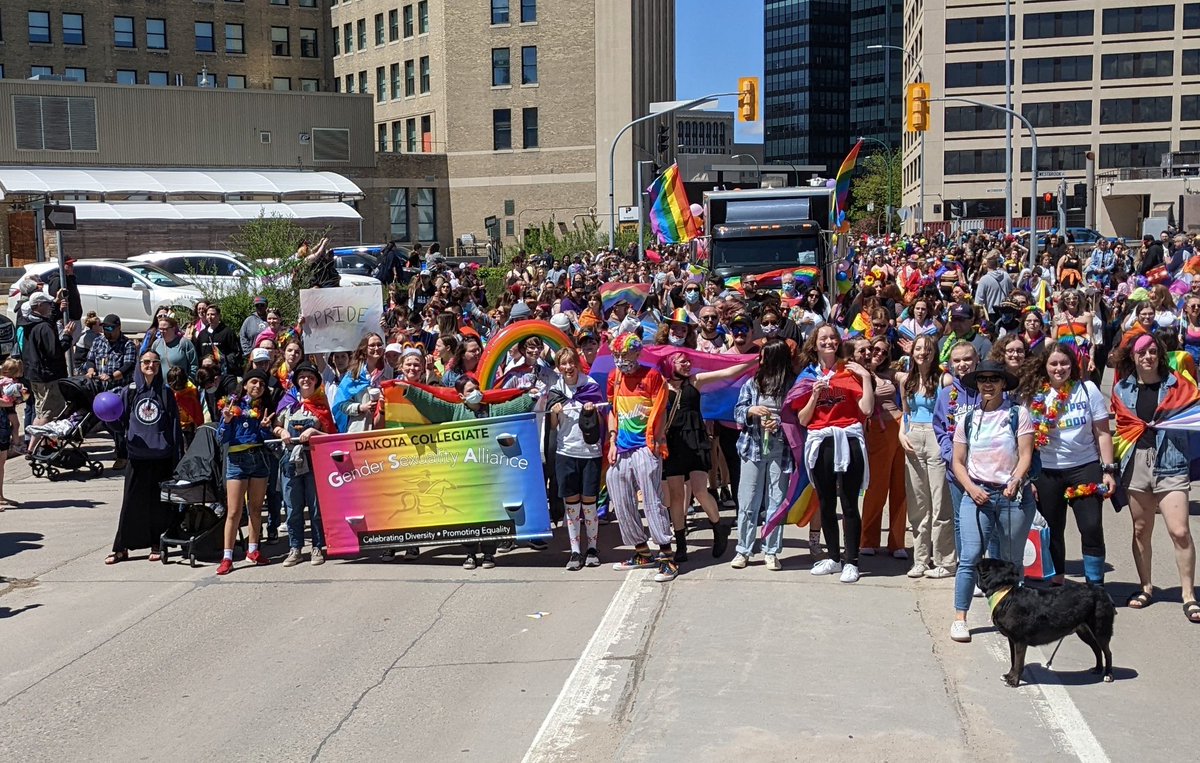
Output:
x=77 y=180
x=131 y=210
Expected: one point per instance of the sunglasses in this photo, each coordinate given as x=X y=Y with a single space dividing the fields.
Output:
x=151 y=362
x=712 y=318
x=107 y=327
x=770 y=323
x=987 y=379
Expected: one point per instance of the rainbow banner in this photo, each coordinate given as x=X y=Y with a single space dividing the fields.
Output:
x=633 y=293
x=805 y=275
x=842 y=189
x=719 y=397
x=461 y=482
x=670 y=213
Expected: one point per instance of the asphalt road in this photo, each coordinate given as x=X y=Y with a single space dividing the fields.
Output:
x=363 y=660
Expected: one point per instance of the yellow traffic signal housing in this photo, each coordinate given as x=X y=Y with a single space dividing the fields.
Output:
x=748 y=99
x=916 y=107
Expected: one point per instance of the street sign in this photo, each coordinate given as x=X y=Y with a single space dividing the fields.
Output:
x=60 y=218
x=1051 y=174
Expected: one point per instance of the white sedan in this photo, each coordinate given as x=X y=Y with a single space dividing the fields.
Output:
x=132 y=290
x=218 y=271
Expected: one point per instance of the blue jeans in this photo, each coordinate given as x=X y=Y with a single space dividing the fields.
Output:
x=301 y=491
x=956 y=497
x=761 y=488
x=1006 y=521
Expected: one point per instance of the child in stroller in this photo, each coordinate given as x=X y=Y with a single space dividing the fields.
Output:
x=55 y=446
x=197 y=490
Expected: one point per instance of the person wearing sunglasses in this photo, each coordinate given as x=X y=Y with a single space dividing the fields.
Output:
x=709 y=337
x=993 y=453
x=886 y=485
x=810 y=313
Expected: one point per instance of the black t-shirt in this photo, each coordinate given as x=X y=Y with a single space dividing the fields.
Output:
x=1147 y=404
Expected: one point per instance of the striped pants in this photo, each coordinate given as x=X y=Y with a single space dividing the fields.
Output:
x=634 y=471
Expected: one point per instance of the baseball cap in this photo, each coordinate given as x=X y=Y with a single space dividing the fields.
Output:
x=112 y=319
x=260 y=300
x=259 y=354
x=560 y=321
x=961 y=312
x=395 y=347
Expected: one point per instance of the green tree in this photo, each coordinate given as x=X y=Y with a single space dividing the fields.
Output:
x=878 y=185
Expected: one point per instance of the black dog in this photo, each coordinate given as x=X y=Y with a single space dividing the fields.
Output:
x=1031 y=617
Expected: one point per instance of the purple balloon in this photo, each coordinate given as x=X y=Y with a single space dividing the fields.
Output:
x=831 y=183
x=108 y=406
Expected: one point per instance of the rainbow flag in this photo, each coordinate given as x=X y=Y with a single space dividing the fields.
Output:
x=398 y=410
x=861 y=326
x=633 y=293
x=719 y=398
x=773 y=279
x=670 y=213
x=842 y=188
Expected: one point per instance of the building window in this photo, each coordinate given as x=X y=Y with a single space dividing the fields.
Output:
x=423 y=17
x=975 y=29
x=528 y=11
x=72 y=29
x=398 y=212
x=337 y=42
x=410 y=78
x=39 y=26
x=981 y=161
x=308 y=43
x=1191 y=16
x=1189 y=108
x=280 y=43
x=159 y=79
x=126 y=76
x=348 y=37
x=311 y=3
x=395 y=72
x=1057 y=113
x=963 y=119
x=362 y=34
x=204 y=37
x=1136 y=65
x=362 y=82
x=410 y=135
x=43 y=71
x=349 y=82
x=974 y=74
x=500 y=67
x=1189 y=63
x=500 y=11
x=1114 y=111
x=1042 y=26
x=425 y=84
x=75 y=73
x=1056 y=158
x=279 y=2
x=529 y=127
x=501 y=129
x=393 y=25
x=1155 y=18
x=337 y=84
x=235 y=82
x=380 y=30
x=281 y=83
x=123 y=32
x=380 y=84
x=427 y=133
x=1117 y=155
x=426 y=215
x=408 y=21
x=397 y=135
x=1057 y=69
x=382 y=134
x=205 y=79
x=309 y=85
x=235 y=38
x=529 y=74
x=156 y=34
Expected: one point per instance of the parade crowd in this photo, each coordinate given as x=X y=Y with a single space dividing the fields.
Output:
x=943 y=380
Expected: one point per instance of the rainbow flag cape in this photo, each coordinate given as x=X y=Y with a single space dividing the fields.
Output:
x=799 y=504
x=719 y=398
x=842 y=188
x=1180 y=409
x=670 y=213
x=633 y=293
x=398 y=410
x=773 y=279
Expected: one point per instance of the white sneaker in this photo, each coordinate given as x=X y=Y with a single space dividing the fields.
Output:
x=960 y=632
x=293 y=558
x=900 y=553
x=850 y=573
x=918 y=570
x=826 y=567
x=939 y=573
x=739 y=561
x=317 y=557
x=773 y=563
x=978 y=593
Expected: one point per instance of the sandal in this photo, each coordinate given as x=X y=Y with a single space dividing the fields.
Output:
x=1191 y=610
x=1141 y=600
x=116 y=556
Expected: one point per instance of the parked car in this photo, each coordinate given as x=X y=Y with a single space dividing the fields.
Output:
x=1084 y=236
x=132 y=290
x=364 y=258
x=215 y=269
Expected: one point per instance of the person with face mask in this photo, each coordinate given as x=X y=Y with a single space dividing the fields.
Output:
x=678 y=330
x=769 y=323
x=693 y=300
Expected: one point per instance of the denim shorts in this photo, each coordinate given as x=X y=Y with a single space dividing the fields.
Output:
x=252 y=464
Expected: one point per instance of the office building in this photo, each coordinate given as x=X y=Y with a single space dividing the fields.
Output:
x=521 y=97
x=276 y=45
x=876 y=73
x=1107 y=84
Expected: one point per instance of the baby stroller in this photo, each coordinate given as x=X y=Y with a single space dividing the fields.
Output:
x=197 y=490
x=59 y=442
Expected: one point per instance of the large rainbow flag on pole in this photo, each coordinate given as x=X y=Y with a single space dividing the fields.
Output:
x=842 y=189
x=670 y=213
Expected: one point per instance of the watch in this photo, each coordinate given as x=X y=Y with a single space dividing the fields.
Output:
x=1111 y=469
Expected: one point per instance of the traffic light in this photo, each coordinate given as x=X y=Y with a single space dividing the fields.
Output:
x=958 y=209
x=1048 y=202
x=748 y=99
x=664 y=141
x=1079 y=195
x=916 y=106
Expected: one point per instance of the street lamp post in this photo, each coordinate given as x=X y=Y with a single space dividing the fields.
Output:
x=1033 y=158
x=887 y=152
x=916 y=65
x=757 y=167
x=612 y=157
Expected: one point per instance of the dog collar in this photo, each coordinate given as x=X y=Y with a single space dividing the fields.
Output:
x=994 y=599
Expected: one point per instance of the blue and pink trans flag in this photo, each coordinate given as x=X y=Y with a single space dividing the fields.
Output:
x=716 y=404
x=800 y=502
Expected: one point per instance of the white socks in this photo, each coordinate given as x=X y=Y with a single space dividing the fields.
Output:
x=228 y=554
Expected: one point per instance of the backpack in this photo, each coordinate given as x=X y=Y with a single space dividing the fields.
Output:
x=1014 y=421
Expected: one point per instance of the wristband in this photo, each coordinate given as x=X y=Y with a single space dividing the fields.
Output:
x=1110 y=469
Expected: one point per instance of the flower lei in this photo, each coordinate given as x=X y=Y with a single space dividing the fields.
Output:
x=1046 y=408
x=238 y=406
x=951 y=409
x=1085 y=490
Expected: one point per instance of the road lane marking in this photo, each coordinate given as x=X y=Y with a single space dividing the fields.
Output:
x=591 y=681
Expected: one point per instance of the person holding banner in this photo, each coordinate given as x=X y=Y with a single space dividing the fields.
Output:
x=574 y=416
x=358 y=396
x=304 y=413
x=245 y=427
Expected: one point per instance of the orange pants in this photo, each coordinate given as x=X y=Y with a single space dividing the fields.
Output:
x=886 y=458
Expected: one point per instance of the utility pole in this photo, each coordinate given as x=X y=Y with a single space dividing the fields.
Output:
x=1062 y=208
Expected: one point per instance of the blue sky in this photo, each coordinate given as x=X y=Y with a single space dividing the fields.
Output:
x=717 y=41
